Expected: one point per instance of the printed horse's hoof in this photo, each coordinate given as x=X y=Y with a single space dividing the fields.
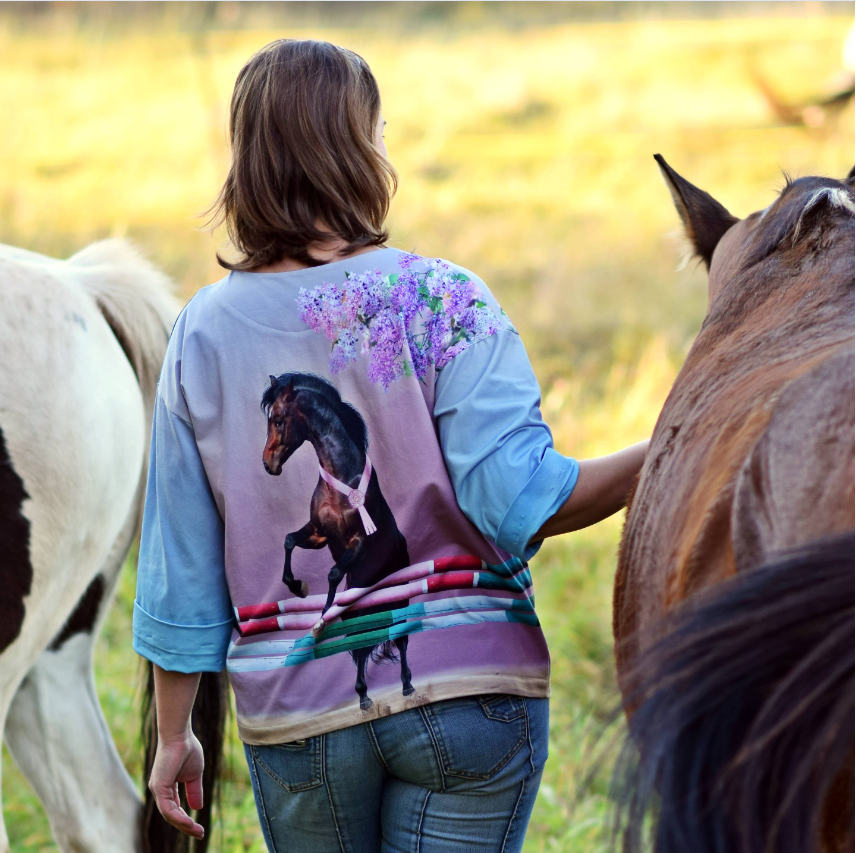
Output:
x=303 y=590
x=318 y=627
x=407 y=691
x=365 y=703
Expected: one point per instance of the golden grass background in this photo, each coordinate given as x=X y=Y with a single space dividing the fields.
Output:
x=524 y=154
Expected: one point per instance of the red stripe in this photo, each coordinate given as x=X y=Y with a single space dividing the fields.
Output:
x=464 y=561
x=450 y=580
x=261 y=626
x=442 y=565
x=258 y=611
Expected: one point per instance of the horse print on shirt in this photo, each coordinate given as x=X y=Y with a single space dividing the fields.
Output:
x=347 y=511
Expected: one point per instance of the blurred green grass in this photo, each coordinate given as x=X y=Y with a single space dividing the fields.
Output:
x=525 y=155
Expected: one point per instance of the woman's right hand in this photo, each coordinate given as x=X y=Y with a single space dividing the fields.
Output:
x=178 y=761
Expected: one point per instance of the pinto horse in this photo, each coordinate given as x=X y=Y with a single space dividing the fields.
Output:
x=81 y=345
x=348 y=513
x=733 y=610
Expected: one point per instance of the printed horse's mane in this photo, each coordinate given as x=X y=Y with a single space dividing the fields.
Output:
x=819 y=199
x=351 y=419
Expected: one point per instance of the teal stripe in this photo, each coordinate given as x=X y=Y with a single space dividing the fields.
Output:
x=508 y=568
x=511 y=584
x=306 y=648
x=391 y=617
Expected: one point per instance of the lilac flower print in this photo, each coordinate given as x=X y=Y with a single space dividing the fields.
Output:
x=404 y=297
x=344 y=350
x=338 y=359
x=403 y=322
x=387 y=338
x=420 y=359
x=437 y=337
x=406 y=260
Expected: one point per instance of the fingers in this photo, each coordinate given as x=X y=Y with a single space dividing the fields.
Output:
x=193 y=789
x=175 y=815
x=178 y=763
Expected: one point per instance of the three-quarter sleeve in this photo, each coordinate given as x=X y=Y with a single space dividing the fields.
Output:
x=182 y=613
x=508 y=478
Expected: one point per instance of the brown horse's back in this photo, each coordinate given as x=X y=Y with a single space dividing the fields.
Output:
x=797 y=483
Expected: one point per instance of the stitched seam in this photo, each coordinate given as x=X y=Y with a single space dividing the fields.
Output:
x=485 y=777
x=529 y=736
x=446 y=761
x=329 y=792
x=505 y=716
x=513 y=815
x=441 y=767
x=300 y=786
x=421 y=821
x=262 y=800
x=376 y=748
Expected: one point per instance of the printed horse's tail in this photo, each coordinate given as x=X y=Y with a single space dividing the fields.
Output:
x=742 y=715
x=209 y=725
x=385 y=652
x=137 y=303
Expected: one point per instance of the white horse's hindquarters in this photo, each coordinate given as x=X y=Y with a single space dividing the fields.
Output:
x=72 y=417
x=58 y=737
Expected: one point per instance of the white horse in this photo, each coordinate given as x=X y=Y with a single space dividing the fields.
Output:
x=81 y=345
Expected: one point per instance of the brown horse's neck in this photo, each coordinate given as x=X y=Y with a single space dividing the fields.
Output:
x=337 y=453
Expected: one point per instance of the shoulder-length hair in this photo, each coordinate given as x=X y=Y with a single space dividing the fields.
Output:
x=304 y=160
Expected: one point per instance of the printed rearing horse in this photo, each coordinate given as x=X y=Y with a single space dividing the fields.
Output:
x=348 y=513
x=733 y=613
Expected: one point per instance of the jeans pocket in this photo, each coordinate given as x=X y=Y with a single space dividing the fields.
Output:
x=295 y=766
x=476 y=737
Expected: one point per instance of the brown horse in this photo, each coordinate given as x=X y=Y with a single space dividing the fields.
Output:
x=733 y=611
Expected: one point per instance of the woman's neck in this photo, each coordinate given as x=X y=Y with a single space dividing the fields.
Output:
x=324 y=252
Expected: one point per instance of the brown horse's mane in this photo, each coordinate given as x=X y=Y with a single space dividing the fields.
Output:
x=805 y=208
x=351 y=419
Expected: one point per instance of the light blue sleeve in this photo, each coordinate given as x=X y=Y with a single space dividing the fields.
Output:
x=182 y=613
x=507 y=477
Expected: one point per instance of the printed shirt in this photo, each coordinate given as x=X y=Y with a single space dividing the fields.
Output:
x=374 y=424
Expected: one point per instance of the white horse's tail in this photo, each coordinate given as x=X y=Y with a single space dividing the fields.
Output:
x=137 y=302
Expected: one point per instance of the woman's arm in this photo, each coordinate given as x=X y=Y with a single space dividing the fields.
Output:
x=182 y=612
x=602 y=488
x=179 y=754
x=508 y=479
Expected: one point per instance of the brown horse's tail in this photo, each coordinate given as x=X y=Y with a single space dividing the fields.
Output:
x=742 y=718
x=209 y=725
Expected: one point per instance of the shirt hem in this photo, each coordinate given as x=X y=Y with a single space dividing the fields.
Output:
x=383 y=705
x=177 y=662
x=180 y=648
x=545 y=491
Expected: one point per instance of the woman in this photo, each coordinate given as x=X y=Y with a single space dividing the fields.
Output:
x=374 y=415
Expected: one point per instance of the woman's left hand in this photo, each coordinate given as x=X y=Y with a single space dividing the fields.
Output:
x=178 y=762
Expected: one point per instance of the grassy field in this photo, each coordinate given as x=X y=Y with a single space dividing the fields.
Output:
x=523 y=154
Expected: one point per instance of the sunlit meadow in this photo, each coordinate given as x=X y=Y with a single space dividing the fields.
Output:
x=524 y=154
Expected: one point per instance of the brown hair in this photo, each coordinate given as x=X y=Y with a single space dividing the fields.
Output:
x=304 y=161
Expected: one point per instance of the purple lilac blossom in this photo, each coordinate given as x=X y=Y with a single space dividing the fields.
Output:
x=406 y=260
x=403 y=322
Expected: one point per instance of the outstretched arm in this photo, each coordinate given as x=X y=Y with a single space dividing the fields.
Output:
x=179 y=753
x=602 y=489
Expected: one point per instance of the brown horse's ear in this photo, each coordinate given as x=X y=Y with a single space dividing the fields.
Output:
x=850 y=176
x=705 y=219
x=272 y=379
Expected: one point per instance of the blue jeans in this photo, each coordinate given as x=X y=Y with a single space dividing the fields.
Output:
x=458 y=776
